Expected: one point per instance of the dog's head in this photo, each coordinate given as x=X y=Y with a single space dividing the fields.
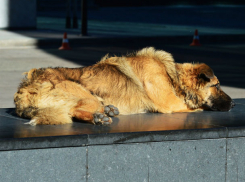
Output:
x=202 y=88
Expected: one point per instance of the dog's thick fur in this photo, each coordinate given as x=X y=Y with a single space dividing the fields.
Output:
x=147 y=81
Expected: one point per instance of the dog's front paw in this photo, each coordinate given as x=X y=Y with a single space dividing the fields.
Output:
x=111 y=110
x=102 y=119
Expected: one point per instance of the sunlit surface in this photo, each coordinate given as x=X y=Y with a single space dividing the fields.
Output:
x=233 y=92
x=12 y=126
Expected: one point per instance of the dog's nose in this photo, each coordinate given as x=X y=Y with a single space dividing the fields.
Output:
x=232 y=104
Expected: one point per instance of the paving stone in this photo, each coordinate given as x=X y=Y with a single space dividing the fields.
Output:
x=49 y=165
x=235 y=159
x=201 y=160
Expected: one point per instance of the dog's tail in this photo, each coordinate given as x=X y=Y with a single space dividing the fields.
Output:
x=50 y=116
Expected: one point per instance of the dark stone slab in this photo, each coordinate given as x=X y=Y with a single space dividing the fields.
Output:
x=149 y=127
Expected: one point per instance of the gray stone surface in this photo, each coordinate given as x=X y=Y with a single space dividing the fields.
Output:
x=235 y=160
x=157 y=136
x=42 y=142
x=49 y=165
x=118 y=163
x=201 y=160
x=234 y=132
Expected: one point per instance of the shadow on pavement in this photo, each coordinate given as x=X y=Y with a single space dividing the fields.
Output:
x=226 y=61
x=152 y=26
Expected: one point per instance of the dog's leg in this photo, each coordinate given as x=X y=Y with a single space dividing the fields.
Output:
x=91 y=111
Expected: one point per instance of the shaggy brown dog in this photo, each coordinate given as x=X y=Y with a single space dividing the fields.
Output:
x=147 y=81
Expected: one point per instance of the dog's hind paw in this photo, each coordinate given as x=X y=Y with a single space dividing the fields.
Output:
x=111 y=110
x=102 y=119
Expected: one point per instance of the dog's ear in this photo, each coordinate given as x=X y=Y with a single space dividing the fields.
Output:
x=205 y=73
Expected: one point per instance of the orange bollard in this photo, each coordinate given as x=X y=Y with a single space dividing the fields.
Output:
x=65 y=43
x=195 y=41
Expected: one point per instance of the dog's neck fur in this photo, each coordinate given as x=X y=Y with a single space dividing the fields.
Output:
x=185 y=87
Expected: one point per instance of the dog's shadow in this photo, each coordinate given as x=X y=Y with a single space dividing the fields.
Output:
x=11 y=111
